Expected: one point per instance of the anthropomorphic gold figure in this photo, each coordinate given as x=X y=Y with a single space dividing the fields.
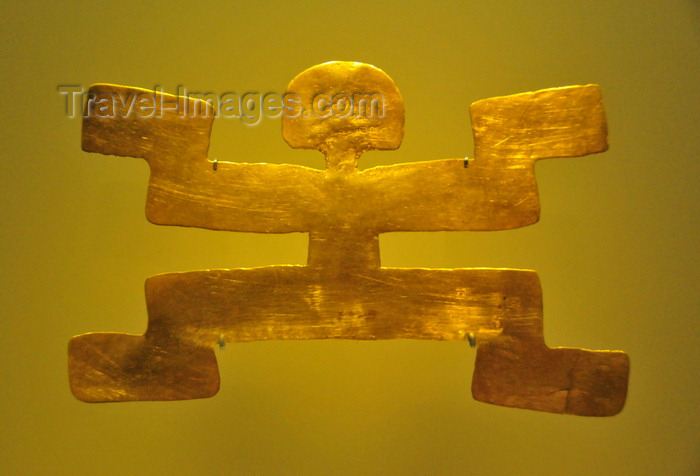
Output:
x=343 y=292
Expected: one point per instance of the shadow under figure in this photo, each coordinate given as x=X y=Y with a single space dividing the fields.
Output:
x=343 y=292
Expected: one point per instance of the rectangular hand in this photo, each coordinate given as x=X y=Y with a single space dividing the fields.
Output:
x=558 y=122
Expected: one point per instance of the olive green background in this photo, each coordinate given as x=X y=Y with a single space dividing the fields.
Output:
x=616 y=247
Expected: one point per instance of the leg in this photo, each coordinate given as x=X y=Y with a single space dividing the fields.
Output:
x=517 y=369
x=187 y=312
x=114 y=367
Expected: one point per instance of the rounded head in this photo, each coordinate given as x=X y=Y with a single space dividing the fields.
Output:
x=343 y=105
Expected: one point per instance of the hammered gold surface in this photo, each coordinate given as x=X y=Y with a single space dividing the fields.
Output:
x=343 y=292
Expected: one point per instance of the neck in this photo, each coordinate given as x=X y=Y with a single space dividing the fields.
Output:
x=342 y=161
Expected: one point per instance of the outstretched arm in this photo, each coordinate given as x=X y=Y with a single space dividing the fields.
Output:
x=186 y=188
x=443 y=195
x=497 y=190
